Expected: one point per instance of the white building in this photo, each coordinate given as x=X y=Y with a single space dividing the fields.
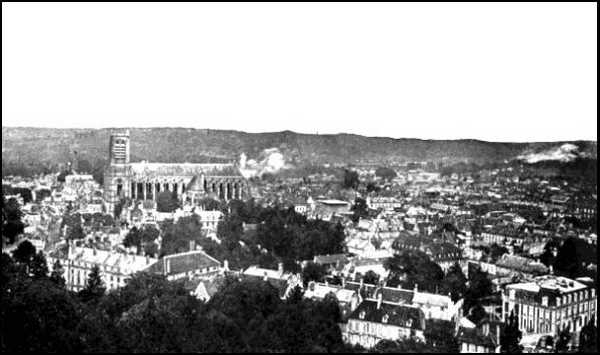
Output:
x=115 y=267
x=549 y=304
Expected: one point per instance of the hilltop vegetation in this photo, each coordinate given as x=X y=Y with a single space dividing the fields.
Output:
x=27 y=150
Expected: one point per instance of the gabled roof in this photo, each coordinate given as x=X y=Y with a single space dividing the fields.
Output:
x=184 y=262
x=398 y=315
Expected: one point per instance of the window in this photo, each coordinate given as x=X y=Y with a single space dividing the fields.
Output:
x=385 y=318
x=361 y=315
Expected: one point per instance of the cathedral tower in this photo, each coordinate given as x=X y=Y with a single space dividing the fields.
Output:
x=117 y=173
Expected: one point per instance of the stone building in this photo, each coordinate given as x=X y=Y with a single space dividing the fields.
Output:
x=550 y=303
x=144 y=181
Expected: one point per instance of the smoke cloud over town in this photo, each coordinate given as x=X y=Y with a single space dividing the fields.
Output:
x=270 y=160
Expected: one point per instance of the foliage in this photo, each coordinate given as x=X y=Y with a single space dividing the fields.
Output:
x=510 y=336
x=56 y=275
x=12 y=226
x=74 y=228
x=371 y=277
x=588 y=337
x=24 y=252
x=440 y=337
x=143 y=239
x=410 y=345
x=479 y=286
x=455 y=283
x=151 y=314
x=415 y=268
x=94 y=287
x=313 y=272
x=360 y=209
x=562 y=343
x=167 y=201
x=385 y=173
x=351 y=180
x=572 y=255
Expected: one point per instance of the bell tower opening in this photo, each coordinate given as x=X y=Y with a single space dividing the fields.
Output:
x=119 y=148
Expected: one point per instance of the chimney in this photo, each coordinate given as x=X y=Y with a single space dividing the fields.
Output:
x=416 y=289
x=226 y=264
x=379 y=299
x=265 y=277
x=192 y=245
x=280 y=268
x=551 y=270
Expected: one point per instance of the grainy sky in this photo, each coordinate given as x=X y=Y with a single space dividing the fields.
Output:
x=498 y=72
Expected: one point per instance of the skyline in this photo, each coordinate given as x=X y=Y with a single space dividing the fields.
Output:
x=439 y=71
x=295 y=132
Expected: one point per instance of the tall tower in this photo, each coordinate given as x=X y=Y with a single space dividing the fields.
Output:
x=117 y=173
x=119 y=148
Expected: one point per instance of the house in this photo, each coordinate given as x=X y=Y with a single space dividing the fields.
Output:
x=336 y=261
x=484 y=338
x=375 y=320
x=283 y=281
x=347 y=299
x=550 y=303
x=521 y=266
x=186 y=265
x=434 y=306
x=115 y=268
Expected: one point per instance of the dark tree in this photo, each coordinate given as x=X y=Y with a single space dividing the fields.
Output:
x=56 y=275
x=477 y=313
x=511 y=336
x=455 y=283
x=24 y=252
x=94 y=287
x=479 y=286
x=410 y=345
x=588 y=337
x=360 y=209
x=385 y=173
x=562 y=342
x=313 y=272
x=416 y=269
x=38 y=266
x=371 y=277
x=167 y=201
x=351 y=180
x=12 y=226
x=440 y=337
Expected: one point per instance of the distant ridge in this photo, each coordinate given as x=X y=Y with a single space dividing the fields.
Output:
x=51 y=146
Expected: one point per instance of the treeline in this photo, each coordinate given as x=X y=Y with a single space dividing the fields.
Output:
x=250 y=234
x=151 y=314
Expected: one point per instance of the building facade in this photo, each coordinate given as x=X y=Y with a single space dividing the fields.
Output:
x=115 y=268
x=549 y=304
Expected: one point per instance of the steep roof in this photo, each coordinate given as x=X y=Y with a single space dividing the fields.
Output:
x=398 y=315
x=184 y=262
x=150 y=170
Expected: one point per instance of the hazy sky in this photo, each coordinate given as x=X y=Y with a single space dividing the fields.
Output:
x=499 y=72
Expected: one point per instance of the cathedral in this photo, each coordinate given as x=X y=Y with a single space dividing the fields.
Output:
x=144 y=181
